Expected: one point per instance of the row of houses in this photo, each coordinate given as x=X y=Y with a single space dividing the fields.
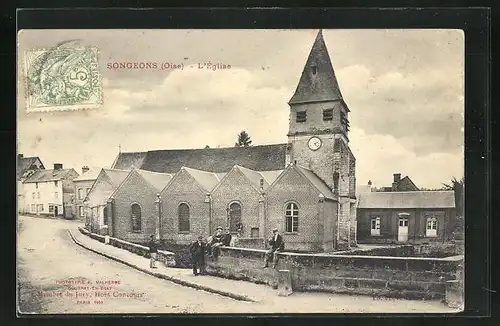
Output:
x=133 y=205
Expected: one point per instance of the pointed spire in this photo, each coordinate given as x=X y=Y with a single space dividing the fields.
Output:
x=317 y=82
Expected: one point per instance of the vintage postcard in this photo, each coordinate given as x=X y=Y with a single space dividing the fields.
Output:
x=240 y=171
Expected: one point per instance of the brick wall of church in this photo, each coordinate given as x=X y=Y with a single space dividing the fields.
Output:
x=184 y=189
x=134 y=190
x=293 y=187
x=236 y=188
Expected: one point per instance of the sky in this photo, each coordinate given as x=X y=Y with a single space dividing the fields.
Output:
x=405 y=90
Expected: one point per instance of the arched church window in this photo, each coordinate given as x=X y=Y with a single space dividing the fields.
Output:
x=292 y=217
x=234 y=217
x=183 y=212
x=136 y=218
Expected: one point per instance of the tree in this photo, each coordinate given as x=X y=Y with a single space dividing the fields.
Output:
x=207 y=146
x=243 y=140
x=458 y=187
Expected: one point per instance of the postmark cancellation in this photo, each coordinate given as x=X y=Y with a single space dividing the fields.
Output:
x=62 y=78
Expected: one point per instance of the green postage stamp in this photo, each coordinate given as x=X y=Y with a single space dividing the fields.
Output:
x=62 y=78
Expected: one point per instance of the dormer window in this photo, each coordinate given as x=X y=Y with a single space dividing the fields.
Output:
x=301 y=116
x=314 y=69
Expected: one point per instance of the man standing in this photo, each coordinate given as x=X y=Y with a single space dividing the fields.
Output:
x=226 y=239
x=153 y=251
x=197 y=250
x=277 y=244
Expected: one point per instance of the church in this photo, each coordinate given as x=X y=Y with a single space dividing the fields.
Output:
x=305 y=187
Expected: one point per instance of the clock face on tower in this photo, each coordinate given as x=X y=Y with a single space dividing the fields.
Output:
x=314 y=143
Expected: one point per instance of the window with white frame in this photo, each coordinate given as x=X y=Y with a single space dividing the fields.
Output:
x=80 y=193
x=431 y=228
x=34 y=195
x=40 y=208
x=292 y=217
x=375 y=225
x=33 y=207
x=51 y=208
x=81 y=210
x=38 y=195
x=56 y=195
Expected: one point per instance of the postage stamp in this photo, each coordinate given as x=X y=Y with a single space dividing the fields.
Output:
x=62 y=78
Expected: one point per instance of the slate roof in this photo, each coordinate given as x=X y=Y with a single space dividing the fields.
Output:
x=129 y=161
x=48 y=175
x=91 y=174
x=321 y=86
x=408 y=199
x=23 y=164
x=207 y=180
x=316 y=182
x=157 y=180
x=218 y=160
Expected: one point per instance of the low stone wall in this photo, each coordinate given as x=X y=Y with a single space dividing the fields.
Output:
x=250 y=243
x=164 y=256
x=412 y=278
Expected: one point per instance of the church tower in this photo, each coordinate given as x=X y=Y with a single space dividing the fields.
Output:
x=318 y=136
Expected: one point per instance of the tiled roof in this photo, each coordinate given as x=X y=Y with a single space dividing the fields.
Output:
x=255 y=176
x=207 y=180
x=316 y=182
x=407 y=199
x=129 y=161
x=319 y=86
x=219 y=160
x=101 y=191
x=91 y=174
x=48 y=175
x=23 y=164
x=116 y=176
x=271 y=176
x=157 y=180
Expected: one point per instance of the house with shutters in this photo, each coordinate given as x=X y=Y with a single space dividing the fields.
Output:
x=50 y=192
x=26 y=166
x=304 y=187
x=83 y=183
x=405 y=216
x=96 y=201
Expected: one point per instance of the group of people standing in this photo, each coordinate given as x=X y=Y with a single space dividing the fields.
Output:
x=199 y=249
x=211 y=248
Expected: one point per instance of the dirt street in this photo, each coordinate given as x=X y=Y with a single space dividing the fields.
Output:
x=56 y=276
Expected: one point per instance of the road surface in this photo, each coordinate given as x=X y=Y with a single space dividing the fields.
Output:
x=53 y=270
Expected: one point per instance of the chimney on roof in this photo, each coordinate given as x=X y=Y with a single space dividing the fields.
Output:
x=85 y=169
x=58 y=166
x=20 y=155
x=369 y=182
x=261 y=184
x=397 y=178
